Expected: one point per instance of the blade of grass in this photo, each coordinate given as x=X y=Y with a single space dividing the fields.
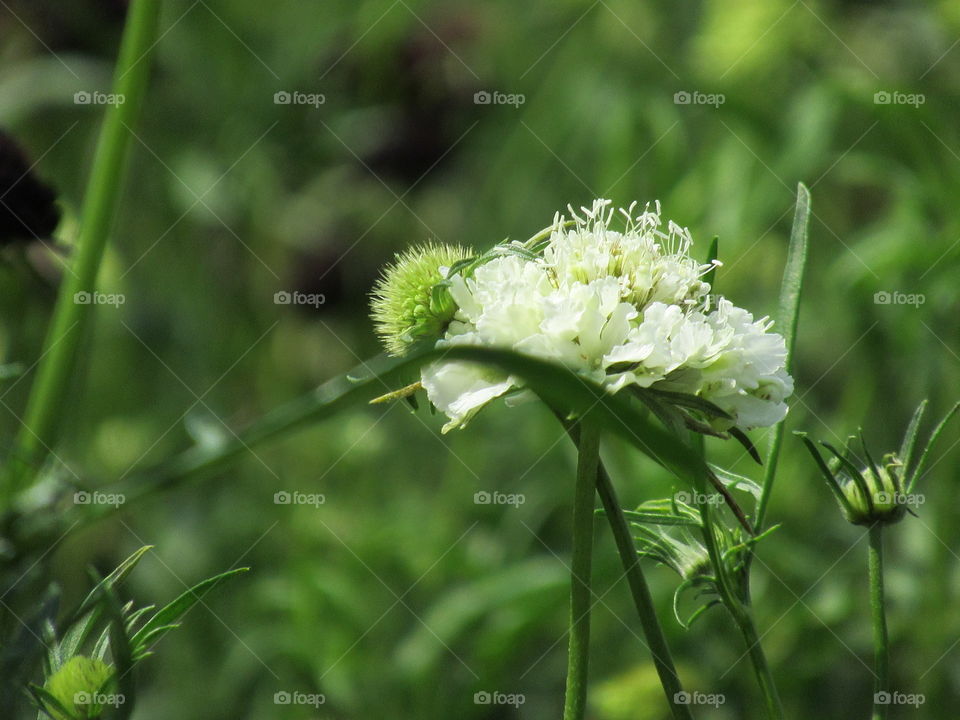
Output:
x=58 y=359
x=787 y=319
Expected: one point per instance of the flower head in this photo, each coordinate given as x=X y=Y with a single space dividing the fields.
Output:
x=626 y=308
x=409 y=304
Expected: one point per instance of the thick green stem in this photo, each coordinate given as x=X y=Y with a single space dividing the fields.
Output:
x=575 y=701
x=881 y=646
x=70 y=315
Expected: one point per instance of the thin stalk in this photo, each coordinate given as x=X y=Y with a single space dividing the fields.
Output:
x=739 y=608
x=649 y=622
x=588 y=460
x=881 y=644
x=758 y=659
x=652 y=631
x=56 y=365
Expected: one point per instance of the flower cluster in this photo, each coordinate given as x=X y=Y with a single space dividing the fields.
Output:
x=623 y=309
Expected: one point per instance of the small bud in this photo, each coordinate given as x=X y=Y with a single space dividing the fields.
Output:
x=77 y=686
x=409 y=303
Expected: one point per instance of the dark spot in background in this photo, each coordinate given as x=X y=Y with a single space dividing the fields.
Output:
x=28 y=207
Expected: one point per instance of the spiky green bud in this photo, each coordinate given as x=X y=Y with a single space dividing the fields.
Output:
x=77 y=686
x=409 y=303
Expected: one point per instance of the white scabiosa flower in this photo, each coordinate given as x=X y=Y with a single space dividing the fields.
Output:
x=623 y=308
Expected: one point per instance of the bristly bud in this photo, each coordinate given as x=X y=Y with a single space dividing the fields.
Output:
x=77 y=687
x=410 y=304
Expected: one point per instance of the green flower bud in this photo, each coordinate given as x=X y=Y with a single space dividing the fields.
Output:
x=876 y=496
x=409 y=303
x=77 y=685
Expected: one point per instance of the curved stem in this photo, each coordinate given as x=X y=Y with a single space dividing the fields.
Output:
x=578 y=653
x=880 y=640
x=100 y=203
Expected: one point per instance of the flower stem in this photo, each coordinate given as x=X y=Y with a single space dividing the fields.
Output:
x=578 y=653
x=880 y=639
x=100 y=204
x=662 y=659
x=652 y=631
x=758 y=658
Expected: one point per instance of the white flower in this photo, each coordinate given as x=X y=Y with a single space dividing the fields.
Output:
x=620 y=308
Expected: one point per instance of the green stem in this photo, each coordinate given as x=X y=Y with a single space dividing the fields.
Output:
x=578 y=653
x=656 y=641
x=758 y=658
x=880 y=640
x=739 y=608
x=652 y=631
x=57 y=361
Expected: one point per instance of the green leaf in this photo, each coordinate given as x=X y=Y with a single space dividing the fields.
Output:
x=737 y=482
x=788 y=316
x=930 y=443
x=910 y=438
x=559 y=387
x=166 y=618
x=121 y=650
x=86 y=616
x=828 y=476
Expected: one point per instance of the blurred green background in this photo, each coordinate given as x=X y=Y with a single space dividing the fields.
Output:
x=399 y=596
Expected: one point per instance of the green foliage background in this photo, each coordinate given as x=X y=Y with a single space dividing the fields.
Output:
x=400 y=596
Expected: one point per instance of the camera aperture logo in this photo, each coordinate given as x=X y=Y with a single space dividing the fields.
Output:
x=85 y=97
x=698 y=498
x=899 y=498
x=899 y=698
x=95 y=497
x=684 y=97
x=98 y=298
x=483 y=497
x=98 y=700
x=893 y=97
x=282 y=97
x=498 y=698
x=299 y=498
x=283 y=297
x=485 y=97
x=882 y=297
x=698 y=698
x=285 y=697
